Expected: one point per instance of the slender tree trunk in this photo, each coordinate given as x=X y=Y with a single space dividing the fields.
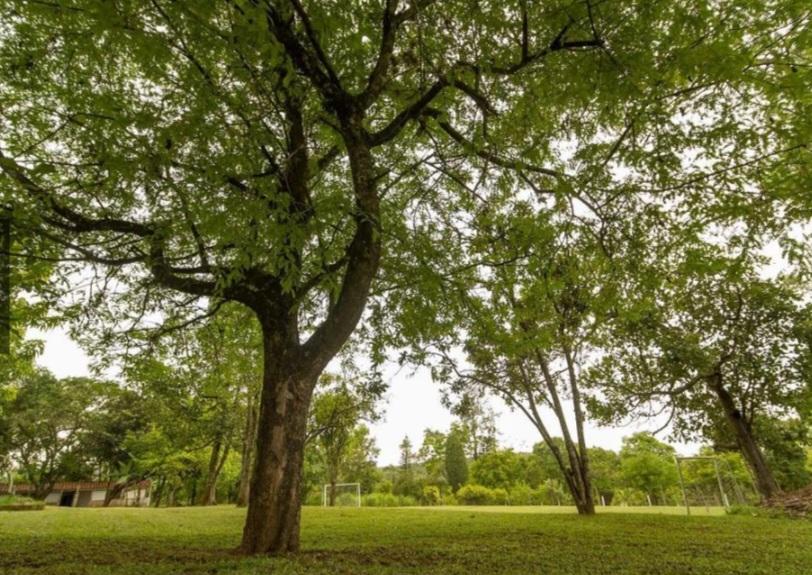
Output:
x=333 y=481
x=249 y=439
x=577 y=472
x=762 y=474
x=113 y=492
x=159 y=492
x=586 y=504
x=216 y=461
x=193 y=494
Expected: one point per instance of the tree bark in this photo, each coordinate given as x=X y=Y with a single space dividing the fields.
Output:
x=274 y=499
x=762 y=474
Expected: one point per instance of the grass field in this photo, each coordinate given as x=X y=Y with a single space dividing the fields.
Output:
x=402 y=541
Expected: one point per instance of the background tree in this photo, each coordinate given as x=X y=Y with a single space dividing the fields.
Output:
x=606 y=473
x=335 y=428
x=532 y=317
x=456 y=465
x=720 y=351
x=500 y=468
x=200 y=386
x=648 y=465
x=476 y=423
x=46 y=419
x=432 y=455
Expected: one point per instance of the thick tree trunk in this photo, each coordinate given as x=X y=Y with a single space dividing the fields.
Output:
x=274 y=499
x=249 y=439
x=762 y=474
x=290 y=368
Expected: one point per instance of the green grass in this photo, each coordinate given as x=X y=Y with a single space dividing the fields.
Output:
x=569 y=510
x=470 y=541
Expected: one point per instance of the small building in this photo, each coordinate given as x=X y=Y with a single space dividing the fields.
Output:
x=87 y=493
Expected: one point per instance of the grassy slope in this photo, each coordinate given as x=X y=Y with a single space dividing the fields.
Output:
x=198 y=540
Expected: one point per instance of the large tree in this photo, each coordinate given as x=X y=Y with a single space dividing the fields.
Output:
x=719 y=350
x=261 y=151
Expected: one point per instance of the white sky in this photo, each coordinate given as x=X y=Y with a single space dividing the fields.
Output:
x=412 y=405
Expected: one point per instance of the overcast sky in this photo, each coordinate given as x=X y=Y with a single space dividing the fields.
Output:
x=412 y=405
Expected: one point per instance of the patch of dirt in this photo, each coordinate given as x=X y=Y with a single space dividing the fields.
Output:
x=796 y=503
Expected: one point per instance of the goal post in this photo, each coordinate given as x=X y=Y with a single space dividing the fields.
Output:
x=706 y=486
x=345 y=495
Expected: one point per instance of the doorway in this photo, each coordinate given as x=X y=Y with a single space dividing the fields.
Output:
x=66 y=500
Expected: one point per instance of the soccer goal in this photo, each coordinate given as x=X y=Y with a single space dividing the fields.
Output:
x=341 y=495
x=707 y=481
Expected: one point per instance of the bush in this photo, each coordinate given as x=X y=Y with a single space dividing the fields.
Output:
x=315 y=497
x=346 y=500
x=431 y=495
x=15 y=503
x=523 y=494
x=408 y=486
x=552 y=492
x=629 y=496
x=384 y=486
x=14 y=500
x=473 y=494
x=499 y=496
x=449 y=499
x=387 y=500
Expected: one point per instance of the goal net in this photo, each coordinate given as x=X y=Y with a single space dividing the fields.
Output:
x=707 y=481
x=342 y=495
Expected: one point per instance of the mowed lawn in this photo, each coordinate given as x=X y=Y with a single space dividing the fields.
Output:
x=400 y=541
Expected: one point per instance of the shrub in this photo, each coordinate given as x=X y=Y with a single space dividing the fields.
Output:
x=473 y=494
x=552 y=492
x=499 y=496
x=384 y=486
x=431 y=495
x=629 y=496
x=387 y=500
x=522 y=494
x=347 y=500
x=450 y=499
x=315 y=497
x=14 y=500
x=15 y=503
